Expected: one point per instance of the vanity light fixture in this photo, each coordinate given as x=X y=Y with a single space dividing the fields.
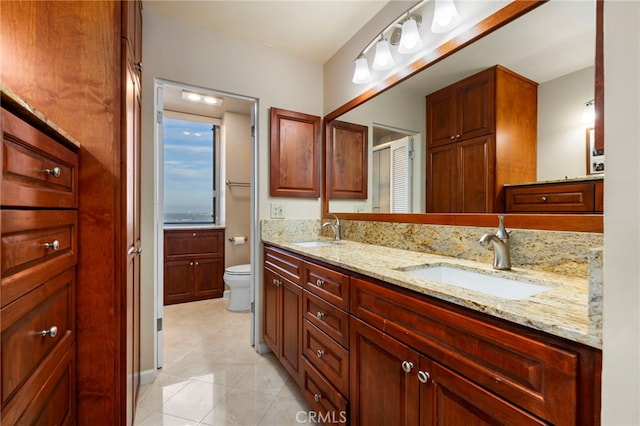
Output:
x=445 y=17
x=404 y=34
x=199 y=97
x=589 y=114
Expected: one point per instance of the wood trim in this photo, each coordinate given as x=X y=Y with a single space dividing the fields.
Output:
x=553 y=222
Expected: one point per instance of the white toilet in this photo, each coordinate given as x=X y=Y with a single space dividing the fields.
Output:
x=238 y=278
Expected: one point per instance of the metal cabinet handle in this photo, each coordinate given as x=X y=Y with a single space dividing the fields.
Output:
x=139 y=251
x=277 y=282
x=452 y=137
x=423 y=376
x=55 y=172
x=320 y=352
x=190 y=263
x=320 y=315
x=457 y=136
x=193 y=235
x=53 y=245
x=197 y=263
x=407 y=366
x=51 y=332
x=317 y=397
x=319 y=282
x=543 y=198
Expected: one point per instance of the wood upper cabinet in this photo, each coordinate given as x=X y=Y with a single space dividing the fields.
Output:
x=295 y=154
x=347 y=167
x=193 y=264
x=481 y=135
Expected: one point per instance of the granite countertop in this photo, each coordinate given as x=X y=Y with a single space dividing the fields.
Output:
x=178 y=226
x=562 y=310
x=565 y=180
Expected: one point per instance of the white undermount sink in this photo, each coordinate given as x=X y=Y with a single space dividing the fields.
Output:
x=313 y=243
x=477 y=281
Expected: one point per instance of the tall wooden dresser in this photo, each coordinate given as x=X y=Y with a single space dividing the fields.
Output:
x=39 y=198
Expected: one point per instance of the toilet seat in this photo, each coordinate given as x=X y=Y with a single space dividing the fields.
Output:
x=239 y=269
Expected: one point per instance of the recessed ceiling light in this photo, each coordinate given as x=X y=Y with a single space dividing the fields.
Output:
x=198 y=97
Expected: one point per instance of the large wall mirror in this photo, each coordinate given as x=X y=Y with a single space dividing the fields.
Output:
x=553 y=44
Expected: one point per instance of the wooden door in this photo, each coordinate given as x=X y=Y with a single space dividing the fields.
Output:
x=347 y=164
x=475 y=185
x=291 y=326
x=442 y=122
x=382 y=393
x=207 y=278
x=271 y=294
x=448 y=399
x=441 y=179
x=476 y=106
x=178 y=281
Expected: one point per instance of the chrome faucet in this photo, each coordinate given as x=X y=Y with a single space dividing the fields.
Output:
x=500 y=242
x=335 y=226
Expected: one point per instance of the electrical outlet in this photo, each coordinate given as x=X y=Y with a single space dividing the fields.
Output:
x=358 y=209
x=277 y=211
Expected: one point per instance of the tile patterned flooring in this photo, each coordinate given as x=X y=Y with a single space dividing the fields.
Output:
x=213 y=376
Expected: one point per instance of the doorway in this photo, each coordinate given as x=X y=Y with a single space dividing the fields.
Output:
x=192 y=175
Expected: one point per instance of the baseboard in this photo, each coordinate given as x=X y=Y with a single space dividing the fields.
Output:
x=148 y=376
x=226 y=294
x=263 y=348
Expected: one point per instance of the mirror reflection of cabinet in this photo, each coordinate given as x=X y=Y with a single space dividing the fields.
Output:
x=488 y=139
x=347 y=167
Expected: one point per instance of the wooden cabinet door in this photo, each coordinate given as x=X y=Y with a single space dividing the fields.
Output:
x=475 y=177
x=476 y=106
x=448 y=399
x=272 y=308
x=442 y=121
x=382 y=393
x=291 y=323
x=295 y=154
x=207 y=278
x=178 y=279
x=441 y=179
x=347 y=165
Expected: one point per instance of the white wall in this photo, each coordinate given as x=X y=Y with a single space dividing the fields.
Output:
x=621 y=332
x=185 y=53
x=561 y=131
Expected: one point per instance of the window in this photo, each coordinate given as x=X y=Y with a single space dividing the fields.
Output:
x=189 y=171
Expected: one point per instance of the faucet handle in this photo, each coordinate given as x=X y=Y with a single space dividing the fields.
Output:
x=502 y=233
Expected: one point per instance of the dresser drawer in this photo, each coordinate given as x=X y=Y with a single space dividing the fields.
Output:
x=558 y=198
x=333 y=321
x=35 y=245
x=187 y=243
x=331 y=359
x=283 y=264
x=509 y=361
x=37 y=171
x=328 y=284
x=322 y=396
x=32 y=327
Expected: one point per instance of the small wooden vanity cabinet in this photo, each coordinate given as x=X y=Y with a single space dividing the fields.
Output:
x=411 y=359
x=193 y=264
x=39 y=248
x=574 y=196
x=481 y=134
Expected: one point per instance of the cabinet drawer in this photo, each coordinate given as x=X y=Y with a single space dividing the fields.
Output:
x=37 y=171
x=537 y=376
x=283 y=264
x=328 y=284
x=23 y=322
x=49 y=397
x=187 y=243
x=322 y=396
x=333 y=321
x=575 y=197
x=27 y=261
x=331 y=359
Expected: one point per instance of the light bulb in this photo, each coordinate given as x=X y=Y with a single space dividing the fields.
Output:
x=410 y=39
x=445 y=17
x=361 y=74
x=383 y=59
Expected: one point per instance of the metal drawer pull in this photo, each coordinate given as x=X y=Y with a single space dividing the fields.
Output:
x=543 y=198
x=319 y=282
x=277 y=283
x=55 y=172
x=54 y=245
x=319 y=315
x=423 y=376
x=320 y=352
x=52 y=332
x=407 y=366
x=452 y=137
x=190 y=263
x=317 y=397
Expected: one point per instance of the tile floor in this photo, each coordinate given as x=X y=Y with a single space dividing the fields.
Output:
x=213 y=376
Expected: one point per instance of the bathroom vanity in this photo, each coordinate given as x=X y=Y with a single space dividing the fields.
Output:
x=368 y=340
